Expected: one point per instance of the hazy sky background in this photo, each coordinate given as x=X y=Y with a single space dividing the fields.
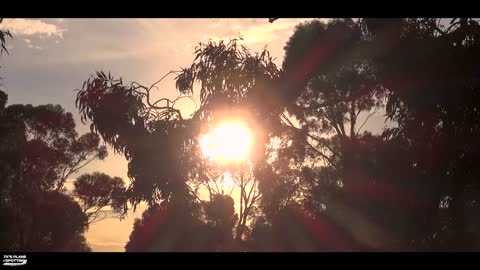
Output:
x=49 y=58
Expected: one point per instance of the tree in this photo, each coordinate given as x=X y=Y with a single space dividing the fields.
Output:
x=331 y=86
x=40 y=150
x=411 y=173
x=395 y=59
x=61 y=231
x=232 y=81
x=233 y=180
x=195 y=226
x=96 y=191
x=154 y=138
x=332 y=184
x=336 y=85
x=437 y=117
x=3 y=35
x=221 y=217
x=167 y=228
x=161 y=146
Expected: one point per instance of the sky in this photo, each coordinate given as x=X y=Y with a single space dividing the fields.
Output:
x=49 y=58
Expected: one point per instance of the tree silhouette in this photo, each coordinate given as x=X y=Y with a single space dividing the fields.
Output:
x=161 y=146
x=51 y=139
x=154 y=138
x=437 y=117
x=357 y=179
x=329 y=85
x=40 y=151
x=96 y=191
x=316 y=173
x=61 y=231
x=3 y=35
x=232 y=82
x=408 y=175
x=195 y=226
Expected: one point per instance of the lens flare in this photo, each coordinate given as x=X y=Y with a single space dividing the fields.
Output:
x=228 y=142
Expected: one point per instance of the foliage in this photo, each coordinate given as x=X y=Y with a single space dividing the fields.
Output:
x=61 y=231
x=39 y=152
x=437 y=117
x=192 y=227
x=155 y=139
x=3 y=35
x=96 y=191
x=329 y=183
x=55 y=151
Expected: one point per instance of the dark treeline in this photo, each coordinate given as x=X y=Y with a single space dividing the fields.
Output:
x=40 y=151
x=318 y=179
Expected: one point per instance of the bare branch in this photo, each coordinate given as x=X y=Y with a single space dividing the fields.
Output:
x=320 y=141
x=210 y=194
x=95 y=215
x=436 y=27
x=353 y=119
x=452 y=25
x=216 y=186
x=322 y=154
x=284 y=117
x=164 y=76
x=136 y=86
x=366 y=119
x=73 y=169
x=231 y=190
x=194 y=193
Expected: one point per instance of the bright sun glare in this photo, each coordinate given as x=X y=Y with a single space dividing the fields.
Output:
x=228 y=142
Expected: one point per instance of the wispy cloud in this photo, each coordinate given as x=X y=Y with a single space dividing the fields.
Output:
x=35 y=47
x=32 y=46
x=30 y=27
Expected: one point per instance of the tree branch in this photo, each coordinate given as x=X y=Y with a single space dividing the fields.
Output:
x=366 y=119
x=193 y=193
x=75 y=169
x=136 y=86
x=320 y=141
x=353 y=119
x=321 y=154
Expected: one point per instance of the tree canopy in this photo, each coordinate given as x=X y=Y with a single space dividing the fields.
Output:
x=40 y=152
x=317 y=179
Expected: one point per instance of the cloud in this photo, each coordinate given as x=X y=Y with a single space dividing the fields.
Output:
x=34 y=47
x=30 y=27
x=30 y=45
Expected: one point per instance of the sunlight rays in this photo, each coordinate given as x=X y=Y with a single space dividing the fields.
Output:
x=228 y=142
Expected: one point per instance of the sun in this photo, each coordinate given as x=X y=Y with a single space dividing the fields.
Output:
x=228 y=142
